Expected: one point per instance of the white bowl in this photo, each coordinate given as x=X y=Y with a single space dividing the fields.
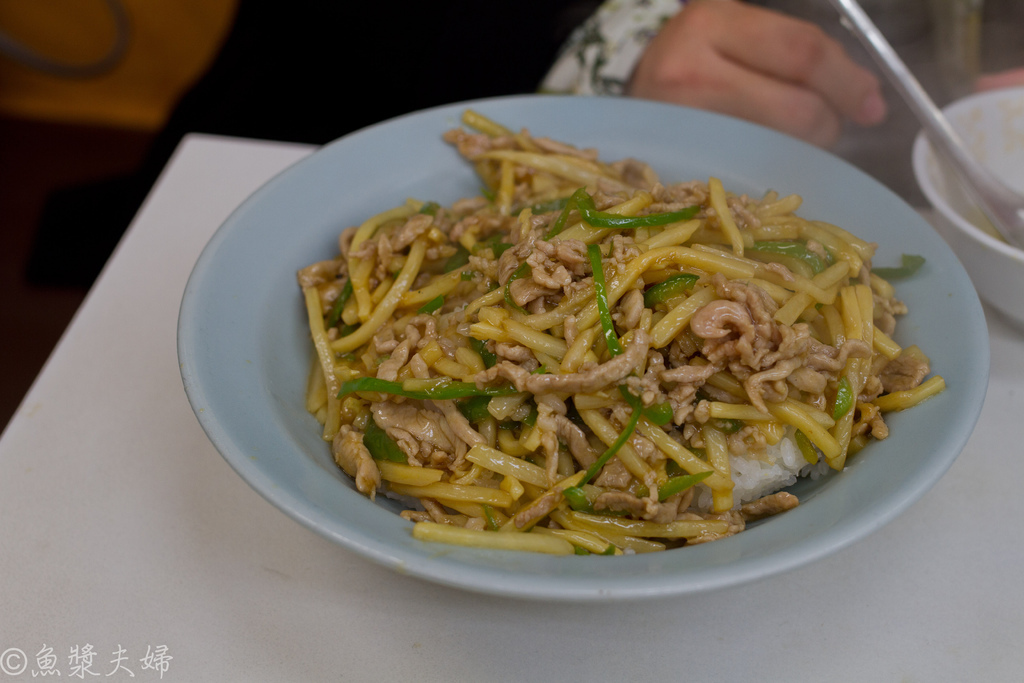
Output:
x=992 y=125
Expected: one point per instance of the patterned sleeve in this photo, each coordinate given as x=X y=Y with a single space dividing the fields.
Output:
x=600 y=55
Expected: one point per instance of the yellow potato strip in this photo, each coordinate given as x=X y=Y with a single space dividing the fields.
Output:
x=315 y=314
x=536 y=543
x=475 y=119
x=578 y=352
x=510 y=527
x=666 y=329
x=717 y=448
x=780 y=207
x=831 y=276
x=682 y=456
x=644 y=529
x=439 y=286
x=901 y=400
x=607 y=433
x=388 y=304
x=717 y=199
x=502 y=463
x=444 y=491
x=407 y=474
x=673 y=235
x=584 y=539
x=884 y=344
x=792 y=413
x=571 y=168
x=537 y=341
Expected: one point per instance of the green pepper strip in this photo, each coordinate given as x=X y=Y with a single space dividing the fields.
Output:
x=677 y=484
x=636 y=405
x=457 y=260
x=559 y=224
x=380 y=445
x=480 y=346
x=727 y=425
x=578 y=500
x=432 y=305
x=673 y=286
x=793 y=249
x=495 y=244
x=600 y=293
x=806 y=447
x=440 y=392
x=519 y=272
x=911 y=263
x=659 y=413
x=601 y=219
x=474 y=408
x=339 y=304
x=430 y=208
x=492 y=522
x=844 y=399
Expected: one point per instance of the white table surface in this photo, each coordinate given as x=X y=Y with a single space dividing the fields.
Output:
x=122 y=529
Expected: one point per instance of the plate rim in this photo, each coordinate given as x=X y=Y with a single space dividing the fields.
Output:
x=568 y=588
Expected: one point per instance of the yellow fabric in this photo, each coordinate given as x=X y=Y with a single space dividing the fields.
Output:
x=172 y=43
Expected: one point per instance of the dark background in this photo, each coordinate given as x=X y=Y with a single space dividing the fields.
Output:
x=310 y=72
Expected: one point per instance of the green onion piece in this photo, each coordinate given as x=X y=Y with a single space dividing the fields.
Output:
x=910 y=264
x=793 y=249
x=600 y=219
x=844 y=399
x=659 y=413
x=672 y=287
x=636 y=405
x=492 y=522
x=457 y=260
x=474 y=408
x=677 y=484
x=480 y=346
x=610 y=550
x=380 y=445
x=600 y=293
x=579 y=550
x=578 y=500
x=467 y=275
x=440 y=392
x=430 y=208
x=806 y=447
x=339 y=304
x=521 y=271
x=432 y=305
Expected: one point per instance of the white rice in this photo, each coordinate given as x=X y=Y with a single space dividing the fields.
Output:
x=753 y=477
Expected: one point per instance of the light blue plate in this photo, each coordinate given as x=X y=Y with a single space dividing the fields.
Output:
x=245 y=351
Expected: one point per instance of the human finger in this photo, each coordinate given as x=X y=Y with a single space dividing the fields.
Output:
x=1003 y=79
x=799 y=52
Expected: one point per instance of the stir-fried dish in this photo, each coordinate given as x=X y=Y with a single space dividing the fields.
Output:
x=584 y=360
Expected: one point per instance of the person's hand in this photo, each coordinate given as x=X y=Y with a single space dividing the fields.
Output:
x=758 y=65
x=1003 y=79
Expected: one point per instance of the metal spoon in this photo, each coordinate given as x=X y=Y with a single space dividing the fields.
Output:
x=1003 y=206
